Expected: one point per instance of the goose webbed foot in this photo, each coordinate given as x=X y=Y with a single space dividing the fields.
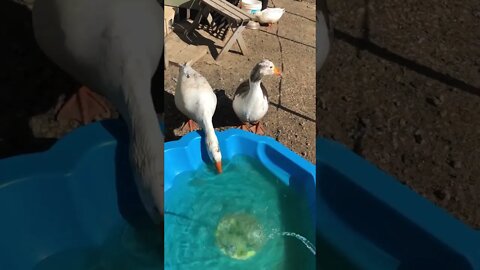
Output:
x=84 y=106
x=189 y=126
x=244 y=126
x=268 y=25
x=258 y=128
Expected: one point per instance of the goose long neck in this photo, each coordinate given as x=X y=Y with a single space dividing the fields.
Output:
x=255 y=75
x=255 y=81
x=255 y=87
x=207 y=126
x=211 y=141
x=135 y=104
x=146 y=139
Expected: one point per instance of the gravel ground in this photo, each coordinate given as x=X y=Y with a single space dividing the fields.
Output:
x=401 y=87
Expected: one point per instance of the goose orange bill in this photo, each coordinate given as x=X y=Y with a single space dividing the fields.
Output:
x=219 y=166
x=277 y=71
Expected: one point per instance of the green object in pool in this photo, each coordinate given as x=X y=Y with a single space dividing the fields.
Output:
x=239 y=236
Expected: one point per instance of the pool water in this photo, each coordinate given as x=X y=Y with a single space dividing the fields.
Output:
x=125 y=249
x=231 y=220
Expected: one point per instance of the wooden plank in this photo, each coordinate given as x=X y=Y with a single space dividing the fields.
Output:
x=243 y=12
x=189 y=4
x=203 y=12
x=231 y=8
x=231 y=41
x=229 y=13
x=180 y=52
x=242 y=44
x=173 y=44
x=190 y=53
x=231 y=16
x=169 y=15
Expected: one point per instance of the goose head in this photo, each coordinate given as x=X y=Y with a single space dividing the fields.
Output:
x=264 y=68
x=186 y=70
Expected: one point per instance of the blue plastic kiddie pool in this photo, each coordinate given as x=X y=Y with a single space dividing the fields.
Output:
x=61 y=206
x=65 y=202
x=189 y=154
x=368 y=220
x=281 y=161
x=57 y=208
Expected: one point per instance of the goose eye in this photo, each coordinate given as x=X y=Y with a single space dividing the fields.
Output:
x=271 y=66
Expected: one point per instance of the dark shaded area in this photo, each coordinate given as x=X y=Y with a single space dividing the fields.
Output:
x=281 y=107
x=219 y=24
x=365 y=44
x=387 y=229
x=194 y=38
x=400 y=87
x=29 y=83
x=285 y=38
x=128 y=198
x=173 y=117
x=129 y=202
x=157 y=86
x=224 y=115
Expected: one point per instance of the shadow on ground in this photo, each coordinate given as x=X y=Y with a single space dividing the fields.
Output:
x=224 y=115
x=194 y=38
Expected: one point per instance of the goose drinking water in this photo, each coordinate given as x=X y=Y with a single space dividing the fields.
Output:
x=194 y=97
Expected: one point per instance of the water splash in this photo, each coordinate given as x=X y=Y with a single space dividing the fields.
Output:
x=308 y=244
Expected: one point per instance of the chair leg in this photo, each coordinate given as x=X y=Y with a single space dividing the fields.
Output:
x=166 y=61
x=242 y=45
x=231 y=41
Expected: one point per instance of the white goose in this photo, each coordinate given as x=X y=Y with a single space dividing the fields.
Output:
x=194 y=97
x=269 y=15
x=114 y=47
x=250 y=101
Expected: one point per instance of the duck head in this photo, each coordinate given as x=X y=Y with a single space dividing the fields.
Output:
x=213 y=150
x=264 y=68
x=185 y=71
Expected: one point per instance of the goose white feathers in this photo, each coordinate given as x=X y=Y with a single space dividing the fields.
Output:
x=114 y=47
x=323 y=35
x=194 y=97
x=250 y=101
x=270 y=15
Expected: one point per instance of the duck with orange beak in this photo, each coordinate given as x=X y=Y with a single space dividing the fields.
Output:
x=194 y=97
x=250 y=101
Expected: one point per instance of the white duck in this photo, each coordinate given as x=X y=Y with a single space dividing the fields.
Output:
x=250 y=101
x=270 y=15
x=114 y=47
x=194 y=97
